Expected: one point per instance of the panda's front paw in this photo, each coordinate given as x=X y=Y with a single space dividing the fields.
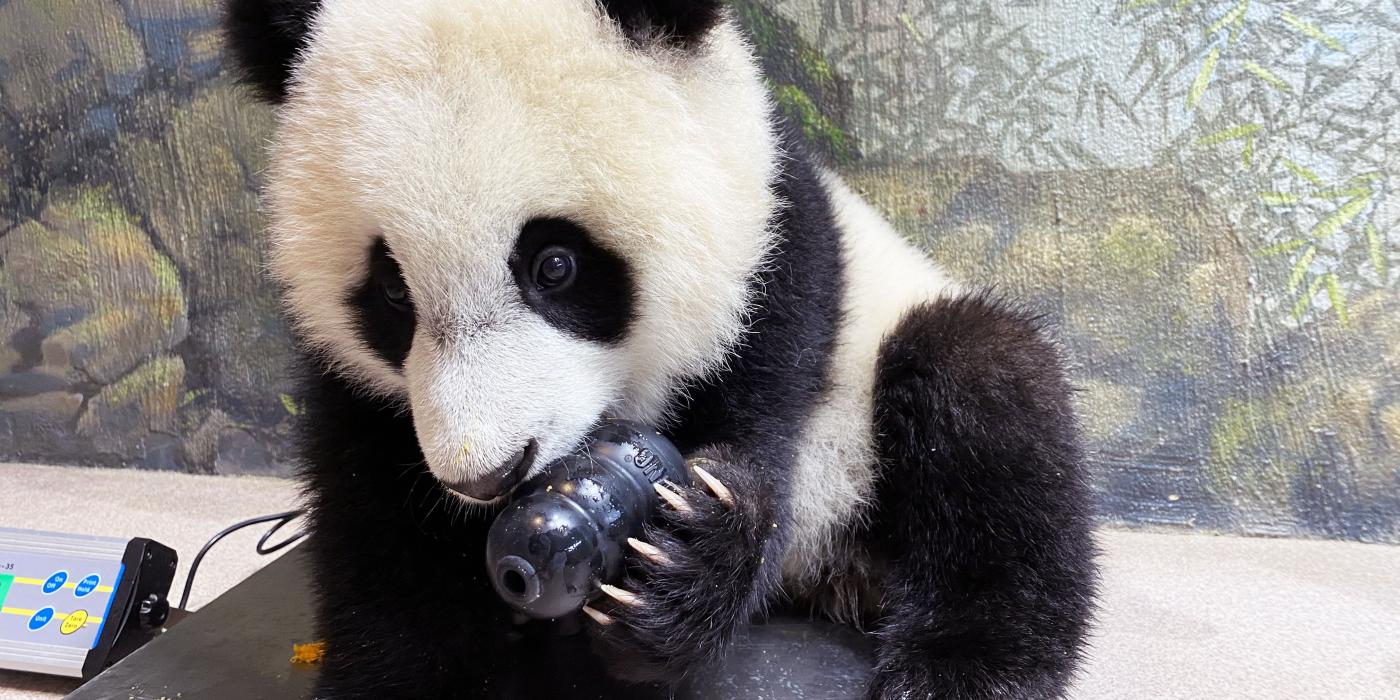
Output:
x=694 y=578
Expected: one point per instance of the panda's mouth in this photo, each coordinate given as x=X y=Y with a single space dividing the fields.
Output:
x=520 y=466
x=505 y=478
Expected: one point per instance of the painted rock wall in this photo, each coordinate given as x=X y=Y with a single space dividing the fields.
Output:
x=1201 y=193
x=137 y=328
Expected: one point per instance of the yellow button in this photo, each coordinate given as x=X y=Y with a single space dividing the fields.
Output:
x=73 y=622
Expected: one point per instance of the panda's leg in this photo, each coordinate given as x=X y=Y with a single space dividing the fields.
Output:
x=982 y=509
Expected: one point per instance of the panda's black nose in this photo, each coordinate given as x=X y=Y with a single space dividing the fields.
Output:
x=502 y=480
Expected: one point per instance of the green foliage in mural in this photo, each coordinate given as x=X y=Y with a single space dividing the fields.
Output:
x=1308 y=114
x=1200 y=191
x=805 y=89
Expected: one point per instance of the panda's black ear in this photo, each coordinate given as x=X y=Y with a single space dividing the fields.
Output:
x=680 y=23
x=264 y=37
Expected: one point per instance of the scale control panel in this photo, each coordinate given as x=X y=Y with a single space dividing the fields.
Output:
x=65 y=600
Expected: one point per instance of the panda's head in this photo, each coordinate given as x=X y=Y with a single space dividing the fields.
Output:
x=513 y=216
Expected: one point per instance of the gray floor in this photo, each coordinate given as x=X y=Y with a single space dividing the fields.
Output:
x=1184 y=616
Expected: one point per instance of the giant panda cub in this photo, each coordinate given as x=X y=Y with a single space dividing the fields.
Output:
x=498 y=221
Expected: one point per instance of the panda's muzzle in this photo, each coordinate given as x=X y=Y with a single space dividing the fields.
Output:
x=502 y=481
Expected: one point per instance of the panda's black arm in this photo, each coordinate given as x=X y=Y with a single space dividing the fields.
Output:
x=720 y=562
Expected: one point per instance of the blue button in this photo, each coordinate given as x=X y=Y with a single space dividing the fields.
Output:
x=55 y=581
x=40 y=618
x=87 y=585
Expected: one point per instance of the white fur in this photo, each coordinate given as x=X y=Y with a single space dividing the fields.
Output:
x=443 y=126
x=885 y=277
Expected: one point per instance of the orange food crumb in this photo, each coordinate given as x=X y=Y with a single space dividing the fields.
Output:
x=309 y=653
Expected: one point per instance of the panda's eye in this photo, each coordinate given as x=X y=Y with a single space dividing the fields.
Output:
x=396 y=293
x=555 y=267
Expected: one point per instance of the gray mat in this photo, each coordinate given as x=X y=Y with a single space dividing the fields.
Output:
x=238 y=647
x=1183 y=615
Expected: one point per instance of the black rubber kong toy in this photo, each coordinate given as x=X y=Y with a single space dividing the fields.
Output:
x=564 y=531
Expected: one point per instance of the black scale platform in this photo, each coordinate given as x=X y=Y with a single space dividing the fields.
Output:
x=238 y=647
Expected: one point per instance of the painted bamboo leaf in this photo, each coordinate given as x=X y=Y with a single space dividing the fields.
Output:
x=1373 y=243
x=1234 y=17
x=1312 y=31
x=1284 y=247
x=1278 y=199
x=1337 y=297
x=1198 y=87
x=1341 y=217
x=1347 y=193
x=1268 y=77
x=1300 y=268
x=1305 y=302
x=908 y=23
x=1230 y=134
x=1303 y=172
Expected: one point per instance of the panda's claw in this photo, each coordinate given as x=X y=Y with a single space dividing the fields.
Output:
x=650 y=551
x=620 y=595
x=721 y=491
x=672 y=498
x=598 y=617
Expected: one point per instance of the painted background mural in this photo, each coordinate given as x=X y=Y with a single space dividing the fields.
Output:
x=1202 y=192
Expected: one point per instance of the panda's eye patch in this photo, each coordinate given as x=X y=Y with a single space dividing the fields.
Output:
x=555 y=267
x=383 y=307
x=572 y=282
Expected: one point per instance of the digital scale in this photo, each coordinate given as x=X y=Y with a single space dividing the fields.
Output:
x=70 y=605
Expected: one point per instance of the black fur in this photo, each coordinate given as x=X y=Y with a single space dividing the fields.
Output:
x=982 y=509
x=385 y=326
x=264 y=37
x=597 y=304
x=681 y=23
x=727 y=562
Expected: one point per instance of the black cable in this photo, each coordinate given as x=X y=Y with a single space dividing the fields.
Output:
x=263 y=549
